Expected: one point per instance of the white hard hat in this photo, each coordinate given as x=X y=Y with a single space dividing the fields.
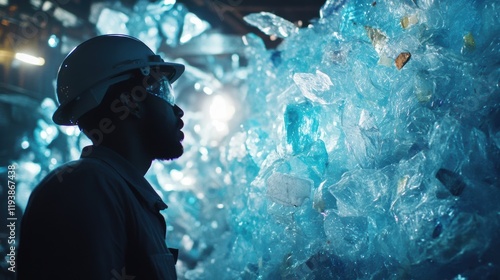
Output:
x=87 y=72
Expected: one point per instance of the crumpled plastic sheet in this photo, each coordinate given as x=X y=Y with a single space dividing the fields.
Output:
x=390 y=109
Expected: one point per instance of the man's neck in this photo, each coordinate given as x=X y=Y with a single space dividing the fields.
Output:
x=134 y=153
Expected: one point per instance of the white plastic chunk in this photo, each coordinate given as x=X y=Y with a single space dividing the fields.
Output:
x=271 y=24
x=288 y=190
x=314 y=86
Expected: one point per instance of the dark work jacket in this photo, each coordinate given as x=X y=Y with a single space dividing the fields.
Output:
x=95 y=218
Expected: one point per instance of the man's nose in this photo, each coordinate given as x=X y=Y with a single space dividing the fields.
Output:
x=178 y=111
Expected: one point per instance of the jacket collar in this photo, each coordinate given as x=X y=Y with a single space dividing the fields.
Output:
x=125 y=169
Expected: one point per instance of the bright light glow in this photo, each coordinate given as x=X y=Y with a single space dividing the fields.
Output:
x=245 y=40
x=200 y=195
x=235 y=58
x=227 y=179
x=208 y=90
x=31 y=167
x=24 y=57
x=53 y=41
x=221 y=127
x=25 y=144
x=50 y=130
x=188 y=181
x=204 y=158
x=46 y=132
x=48 y=105
x=47 y=5
x=187 y=242
x=70 y=130
x=221 y=109
x=235 y=61
x=168 y=187
x=168 y=2
x=176 y=175
x=203 y=151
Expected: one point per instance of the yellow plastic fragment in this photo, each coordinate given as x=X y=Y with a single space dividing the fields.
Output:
x=408 y=21
x=469 y=43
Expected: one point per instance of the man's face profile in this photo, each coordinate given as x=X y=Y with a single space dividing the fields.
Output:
x=162 y=126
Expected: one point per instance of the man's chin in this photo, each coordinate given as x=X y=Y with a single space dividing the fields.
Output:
x=171 y=154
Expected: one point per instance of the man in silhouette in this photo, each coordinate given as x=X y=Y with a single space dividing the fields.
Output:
x=98 y=217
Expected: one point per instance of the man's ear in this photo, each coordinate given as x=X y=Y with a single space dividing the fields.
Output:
x=130 y=102
x=127 y=100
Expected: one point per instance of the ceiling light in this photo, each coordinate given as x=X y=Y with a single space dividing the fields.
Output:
x=38 y=61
